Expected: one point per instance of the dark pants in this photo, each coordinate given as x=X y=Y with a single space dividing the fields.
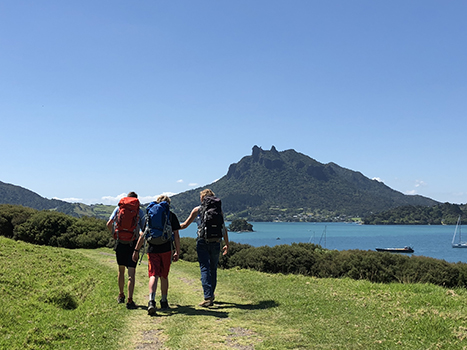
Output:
x=124 y=253
x=208 y=257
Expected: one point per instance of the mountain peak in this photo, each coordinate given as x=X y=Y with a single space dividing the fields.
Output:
x=289 y=179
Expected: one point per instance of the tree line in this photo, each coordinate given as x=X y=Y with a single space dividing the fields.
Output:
x=53 y=228
x=442 y=214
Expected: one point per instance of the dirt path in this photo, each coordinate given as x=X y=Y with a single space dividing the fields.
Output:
x=146 y=332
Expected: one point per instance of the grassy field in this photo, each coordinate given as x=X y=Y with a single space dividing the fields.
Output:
x=66 y=299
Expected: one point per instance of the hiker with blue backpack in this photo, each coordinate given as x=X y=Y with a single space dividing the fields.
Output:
x=211 y=231
x=126 y=222
x=160 y=235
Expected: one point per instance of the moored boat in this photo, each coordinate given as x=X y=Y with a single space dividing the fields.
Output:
x=396 y=250
x=458 y=243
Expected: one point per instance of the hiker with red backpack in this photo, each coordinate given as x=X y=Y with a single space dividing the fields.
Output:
x=211 y=231
x=125 y=223
x=160 y=235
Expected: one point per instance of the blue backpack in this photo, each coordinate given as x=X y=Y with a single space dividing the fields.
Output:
x=158 y=228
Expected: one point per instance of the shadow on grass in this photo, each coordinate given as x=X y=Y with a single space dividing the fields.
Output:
x=218 y=310
x=263 y=304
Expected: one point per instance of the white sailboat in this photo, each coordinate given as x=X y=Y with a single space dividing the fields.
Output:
x=459 y=243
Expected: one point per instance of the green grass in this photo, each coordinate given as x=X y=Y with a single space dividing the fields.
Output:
x=298 y=312
x=55 y=298
x=64 y=299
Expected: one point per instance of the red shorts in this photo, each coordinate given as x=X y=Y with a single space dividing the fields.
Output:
x=159 y=264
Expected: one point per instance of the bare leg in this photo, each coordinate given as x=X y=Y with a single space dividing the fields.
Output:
x=164 y=286
x=121 y=278
x=131 y=282
x=152 y=285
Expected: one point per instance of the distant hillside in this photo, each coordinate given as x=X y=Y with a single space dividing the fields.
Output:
x=12 y=194
x=288 y=186
x=265 y=186
x=441 y=214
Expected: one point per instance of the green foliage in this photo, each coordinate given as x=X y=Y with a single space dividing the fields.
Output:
x=312 y=260
x=234 y=247
x=43 y=228
x=446 y=214
x=86 y=232
x=188 y=249
x=12 y=216
x=240 y=225
x=53 y=228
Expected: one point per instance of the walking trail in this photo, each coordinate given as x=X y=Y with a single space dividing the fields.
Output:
x=148 y=333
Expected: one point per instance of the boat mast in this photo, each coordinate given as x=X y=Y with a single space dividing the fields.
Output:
x=455 y=231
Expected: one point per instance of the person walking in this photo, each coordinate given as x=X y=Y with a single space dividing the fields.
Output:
x=160 y=257
x=125 y=222
x=211 y=231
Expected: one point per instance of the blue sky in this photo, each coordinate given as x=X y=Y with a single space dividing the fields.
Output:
x=99 y=98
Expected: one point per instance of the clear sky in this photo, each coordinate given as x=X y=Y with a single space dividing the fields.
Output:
x=99 y=98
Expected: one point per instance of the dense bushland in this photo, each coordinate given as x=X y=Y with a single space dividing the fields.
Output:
x=441 y=214
x=53 y=228
x=312 y=260
x=59 y=230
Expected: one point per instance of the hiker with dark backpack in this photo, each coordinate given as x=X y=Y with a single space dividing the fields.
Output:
x=160 y=235
x=211 y=231
x=125 y=223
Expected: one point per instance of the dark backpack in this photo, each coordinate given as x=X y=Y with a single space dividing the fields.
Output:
x=158 y=228
x=211 y=227
x=127 y=219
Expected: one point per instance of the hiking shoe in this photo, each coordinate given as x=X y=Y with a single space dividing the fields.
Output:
x=131 y=304
x=206 y=303
x=164 y=305
x=121 y=298
x=151 y=308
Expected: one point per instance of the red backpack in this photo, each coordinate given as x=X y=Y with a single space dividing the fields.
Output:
x=127 y=219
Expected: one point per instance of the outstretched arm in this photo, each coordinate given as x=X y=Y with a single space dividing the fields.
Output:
x=191 y=218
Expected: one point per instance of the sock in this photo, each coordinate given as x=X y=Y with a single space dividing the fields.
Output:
x=164 y=297
x=152 y=296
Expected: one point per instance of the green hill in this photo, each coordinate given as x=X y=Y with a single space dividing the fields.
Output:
x=16 y=195
x=290 y=186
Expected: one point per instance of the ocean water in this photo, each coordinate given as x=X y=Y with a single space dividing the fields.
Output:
x=426 y=240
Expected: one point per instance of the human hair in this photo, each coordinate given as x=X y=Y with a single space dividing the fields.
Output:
x=132 y=194
x=163 y=198
x=206 y=192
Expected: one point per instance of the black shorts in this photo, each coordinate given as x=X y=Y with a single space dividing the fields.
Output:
x=124 y=254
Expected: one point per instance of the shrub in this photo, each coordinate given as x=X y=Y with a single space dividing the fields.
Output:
x=188 y=249
x=43 y=228
x=313 y=260
x=86 y=232
x=11 y=216
x=53 y=228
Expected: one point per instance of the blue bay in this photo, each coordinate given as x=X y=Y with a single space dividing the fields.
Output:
x=432 y=241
